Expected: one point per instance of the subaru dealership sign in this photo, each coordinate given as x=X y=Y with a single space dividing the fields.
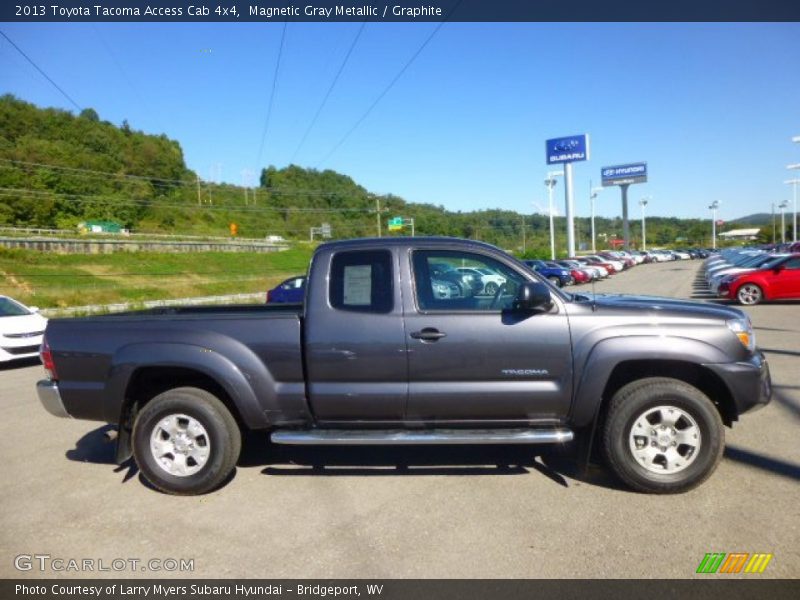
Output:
x=624 y=174
x=567 y=149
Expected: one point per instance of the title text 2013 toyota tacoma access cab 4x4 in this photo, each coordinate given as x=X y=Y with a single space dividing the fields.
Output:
x=385 y=352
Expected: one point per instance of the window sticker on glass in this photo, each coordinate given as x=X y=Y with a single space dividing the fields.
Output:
x=358 y=285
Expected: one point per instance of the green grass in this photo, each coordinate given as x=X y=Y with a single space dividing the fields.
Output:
x=63 y=280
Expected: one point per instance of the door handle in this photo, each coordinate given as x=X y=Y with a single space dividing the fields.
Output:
x=429 y=334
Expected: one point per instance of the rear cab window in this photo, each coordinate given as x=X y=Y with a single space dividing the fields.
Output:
x=362 y=281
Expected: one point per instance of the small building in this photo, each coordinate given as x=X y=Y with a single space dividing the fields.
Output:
x=740 y=234
x=100 y=227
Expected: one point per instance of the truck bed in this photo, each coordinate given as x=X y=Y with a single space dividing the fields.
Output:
x=248 y=349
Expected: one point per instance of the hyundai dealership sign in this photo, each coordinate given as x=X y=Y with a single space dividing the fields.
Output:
x=567 y=149
x=624 y=174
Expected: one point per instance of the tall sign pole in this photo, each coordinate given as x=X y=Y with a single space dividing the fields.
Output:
x=626 y=226
x=567 y=150
x=569 y=201
x=624 y=176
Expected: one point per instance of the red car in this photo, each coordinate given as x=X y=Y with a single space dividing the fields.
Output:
x=579 y=276
x=779 y=282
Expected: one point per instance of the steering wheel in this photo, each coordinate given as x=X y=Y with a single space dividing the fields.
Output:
x=500 y=289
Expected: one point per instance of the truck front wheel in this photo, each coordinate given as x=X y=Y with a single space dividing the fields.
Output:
x=186 y=441
x=662 y=436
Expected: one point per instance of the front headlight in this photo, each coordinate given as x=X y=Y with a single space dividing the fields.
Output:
x=743 y=329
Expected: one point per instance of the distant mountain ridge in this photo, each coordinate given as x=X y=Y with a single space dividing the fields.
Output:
x=754 y=219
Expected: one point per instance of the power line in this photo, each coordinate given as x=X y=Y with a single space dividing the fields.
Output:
x=98 y=198
x=177 y=182
x=272 y=93
x=95 y=173
x=45 y=75
x=385 y=91
x=330 y=89
x=124 y=74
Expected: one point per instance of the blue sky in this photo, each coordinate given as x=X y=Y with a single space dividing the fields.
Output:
x=712 y=108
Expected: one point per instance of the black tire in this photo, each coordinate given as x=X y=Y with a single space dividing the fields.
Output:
x=555 y=281
x=630 y=404
x=221 y=434
x=490 y=289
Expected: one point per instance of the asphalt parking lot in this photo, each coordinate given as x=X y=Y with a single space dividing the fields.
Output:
x=402 y=513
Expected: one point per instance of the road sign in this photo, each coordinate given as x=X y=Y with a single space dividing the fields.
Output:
x=396 y=224
x=624 y=174
x=567 y=149
x=325 y=230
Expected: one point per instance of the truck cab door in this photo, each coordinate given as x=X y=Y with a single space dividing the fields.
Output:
x=471 y=358
x=355 y=346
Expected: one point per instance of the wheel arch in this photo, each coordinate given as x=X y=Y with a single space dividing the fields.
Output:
x=140 y=372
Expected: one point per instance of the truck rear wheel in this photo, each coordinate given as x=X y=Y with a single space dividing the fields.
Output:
x=186 y=441
x=662 y=436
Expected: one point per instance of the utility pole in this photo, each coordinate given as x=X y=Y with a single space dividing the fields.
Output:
x=378 y=215
x=199 y=202
x=523 y=234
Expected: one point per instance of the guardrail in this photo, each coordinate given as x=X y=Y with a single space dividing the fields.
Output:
x=95 y=246
x=143 y=235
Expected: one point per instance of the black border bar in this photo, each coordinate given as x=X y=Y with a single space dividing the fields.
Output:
x=399 y=10
x=746 y=587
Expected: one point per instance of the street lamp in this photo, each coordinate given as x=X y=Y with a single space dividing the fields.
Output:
x=550 y=182
x=794 y=183
x=643 y=202
x=592 y=195
x=783 y=206
x=713 y=208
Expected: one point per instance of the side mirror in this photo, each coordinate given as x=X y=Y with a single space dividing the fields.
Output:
x=779 y=268
x=533 y=296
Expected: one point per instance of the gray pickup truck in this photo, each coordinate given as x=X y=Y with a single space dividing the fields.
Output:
x=396 y=343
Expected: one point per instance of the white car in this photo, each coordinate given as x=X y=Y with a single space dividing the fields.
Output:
x=21 y=330
x=490 y=280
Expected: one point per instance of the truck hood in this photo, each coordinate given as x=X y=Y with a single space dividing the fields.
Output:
x=666 y=306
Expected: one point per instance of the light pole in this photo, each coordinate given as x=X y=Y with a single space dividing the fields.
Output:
x=643 y=202
x=550 y=182
x=773 y=223
x=783 y=206
x=794 y=183
x=713 y=208
x=592 y=195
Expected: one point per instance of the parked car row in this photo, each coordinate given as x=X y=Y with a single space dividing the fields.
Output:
x=754 y=275
x=454 y=281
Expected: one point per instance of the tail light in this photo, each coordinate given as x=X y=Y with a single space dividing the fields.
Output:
x=47 y=360
x=269 y=296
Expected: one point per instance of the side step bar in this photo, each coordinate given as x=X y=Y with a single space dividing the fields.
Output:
x=401 y=437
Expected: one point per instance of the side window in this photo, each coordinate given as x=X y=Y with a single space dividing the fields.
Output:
x=294 y=284
x=455 y=281
x=362 y=281
x=793 y=263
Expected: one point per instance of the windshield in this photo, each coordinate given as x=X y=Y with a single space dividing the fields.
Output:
x=9 y=308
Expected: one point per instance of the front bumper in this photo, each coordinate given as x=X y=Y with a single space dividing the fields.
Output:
x=749 y=382
x=50 y=398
